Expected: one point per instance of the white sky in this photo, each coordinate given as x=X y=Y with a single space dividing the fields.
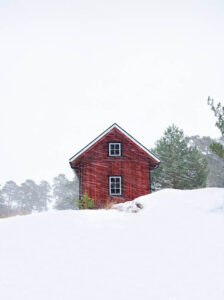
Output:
x=69 y=69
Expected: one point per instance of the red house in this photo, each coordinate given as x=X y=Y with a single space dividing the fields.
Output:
x=114 y=167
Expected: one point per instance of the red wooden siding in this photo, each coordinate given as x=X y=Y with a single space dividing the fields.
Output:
x=96 y=166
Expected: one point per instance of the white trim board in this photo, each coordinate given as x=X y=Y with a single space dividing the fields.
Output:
x=104 y=133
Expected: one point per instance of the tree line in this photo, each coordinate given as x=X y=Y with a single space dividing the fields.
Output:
x=31 y=197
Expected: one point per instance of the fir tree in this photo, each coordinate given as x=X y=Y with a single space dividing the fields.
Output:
x=65 y=192
x=9 y=195
x=2 y=206
x=182 y=166
x=1 y=198
x=44 y=196
x=29 y=196
x=24 y=199
x=85 y=202
x=218 y=110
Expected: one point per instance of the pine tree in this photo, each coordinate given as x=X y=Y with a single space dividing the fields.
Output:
x=44 y=196
x=26 y=198
x=2 y=206
x=182 y=166
x=9 y=195
x=218 y=110
x=85 y=202
x=65 y=192
x=1 y=197
x=29 y=196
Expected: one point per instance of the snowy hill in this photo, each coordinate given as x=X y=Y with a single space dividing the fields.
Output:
x=172 y=249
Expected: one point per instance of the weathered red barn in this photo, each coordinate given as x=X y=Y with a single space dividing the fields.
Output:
x=114 y=167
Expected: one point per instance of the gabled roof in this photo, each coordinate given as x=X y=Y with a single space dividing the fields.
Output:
x=104 y=133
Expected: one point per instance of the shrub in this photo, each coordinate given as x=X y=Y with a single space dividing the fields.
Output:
x=85 y=202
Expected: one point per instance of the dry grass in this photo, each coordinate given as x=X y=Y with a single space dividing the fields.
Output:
x=14 y=214
x=108 y=205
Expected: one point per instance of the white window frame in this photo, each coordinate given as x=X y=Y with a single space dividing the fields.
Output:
x=110 y=150
x=120 y=185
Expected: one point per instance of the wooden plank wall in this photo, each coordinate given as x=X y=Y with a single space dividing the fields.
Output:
x=96 y=166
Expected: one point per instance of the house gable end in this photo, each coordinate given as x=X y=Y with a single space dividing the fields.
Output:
x=99 y=146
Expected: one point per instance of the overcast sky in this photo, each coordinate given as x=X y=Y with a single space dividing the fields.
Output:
x=69 y=69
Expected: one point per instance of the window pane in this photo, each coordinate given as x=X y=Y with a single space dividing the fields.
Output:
x=114 y=149
x=115 y=185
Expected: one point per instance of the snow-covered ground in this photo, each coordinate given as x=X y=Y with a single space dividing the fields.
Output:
x=172 y=249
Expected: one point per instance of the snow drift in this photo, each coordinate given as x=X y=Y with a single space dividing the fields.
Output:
x=172 y=249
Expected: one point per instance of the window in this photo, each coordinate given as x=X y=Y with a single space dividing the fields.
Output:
x=115 y=186
x=114 y=149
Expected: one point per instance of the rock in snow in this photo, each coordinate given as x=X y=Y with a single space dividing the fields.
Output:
x=171 y=249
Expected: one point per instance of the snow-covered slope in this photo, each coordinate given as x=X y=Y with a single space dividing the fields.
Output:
x=172 y=249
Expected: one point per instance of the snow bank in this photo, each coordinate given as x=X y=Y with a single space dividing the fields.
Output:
x=209 y=199
x=172 y=249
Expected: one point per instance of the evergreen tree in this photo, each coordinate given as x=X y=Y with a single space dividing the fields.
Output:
x=218 y=110
x=44 y=196
x=26 y=198
x=9 y=195
x=65 y=192
x=21 y=200
x=34 y=197
x=29 y=196
x=215 y=163
x=1 y=197
x=9 y=199
x=2 y=206
x=182 y=166
x=85 y=202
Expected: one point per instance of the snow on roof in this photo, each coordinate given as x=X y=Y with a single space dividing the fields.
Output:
x=104 y=133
